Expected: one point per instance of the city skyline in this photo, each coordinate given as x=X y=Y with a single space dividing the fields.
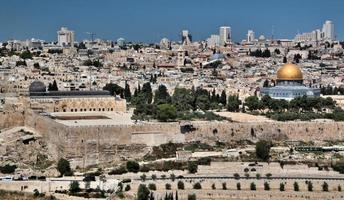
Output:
x=159 y=19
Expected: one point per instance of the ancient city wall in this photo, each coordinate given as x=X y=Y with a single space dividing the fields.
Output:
x=90 y=145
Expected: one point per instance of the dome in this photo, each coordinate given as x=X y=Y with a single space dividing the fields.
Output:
x=37 y=86
x=289 y=72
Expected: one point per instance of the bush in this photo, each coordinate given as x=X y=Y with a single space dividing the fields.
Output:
x=238 y=186
x=166 y=112
x=144 y=168
x=192 y=167
x=63 y=166
x=197 y=186
x=152 y=186
x=282 y=187
x=310 y=186
x=268 y=175
x=236 y=176
x=253 y=186
x=258 y=176
x=143 y=177
x=126 y=180
x=263 y=149
x=142 y=192
x=118 y=171
x=74 y=187
x=224 y=186
x=154 y=177
x=133 y=166
x=325 y=187
x=172 y=177
x=8 y=169
x=296 y=187
x=191 y=197
x=266 y=186
x=339 y=188
x=127 y=188
x=213 y=186
x=180 y=185
x=168 y=186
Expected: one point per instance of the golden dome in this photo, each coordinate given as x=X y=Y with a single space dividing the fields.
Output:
x=289 y=72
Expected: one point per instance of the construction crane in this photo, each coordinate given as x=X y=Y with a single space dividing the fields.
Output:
x=91 y=35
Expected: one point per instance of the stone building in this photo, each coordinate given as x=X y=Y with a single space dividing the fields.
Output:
x=73 y=101
x=289 y=84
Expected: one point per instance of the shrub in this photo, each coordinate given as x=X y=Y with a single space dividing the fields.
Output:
x=246 y=170
x=8 y=169
x=192 y=167
x=127 y=188
x=180 y=185
x=236 y=176
x=143 y=177
x=152 y=186
x=266 y=186
x=310 y=186
x=213 y=186
x=238 y=186
x=142 y=192
x=325 y=187
x=296 y=187
x=247 y=175
x=154 y=177
x=268 y=175
x=191 y=197
x=172 y=177
x=258 y=176
x=168 y=186
x=197 y=186
x=253 y=186
x=74 y=187
x=339 y=188
x=224 y=186
x=63 y=166
x=126 y=180
x=263 y=149
x=144 y=168
x=133 y=166
x=282 y=187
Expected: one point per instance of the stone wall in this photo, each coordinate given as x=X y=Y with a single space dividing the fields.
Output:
x=91 y=145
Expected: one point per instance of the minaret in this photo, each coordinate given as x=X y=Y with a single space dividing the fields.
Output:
x=180 y=57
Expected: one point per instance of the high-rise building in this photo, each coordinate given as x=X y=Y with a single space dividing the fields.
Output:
x=186 y=37
x=213 y=41
x=65 y=37
x=328 y=30
x=250 y=36
x=225 y=35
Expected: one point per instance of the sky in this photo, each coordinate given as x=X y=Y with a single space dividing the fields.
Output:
x=150 y=20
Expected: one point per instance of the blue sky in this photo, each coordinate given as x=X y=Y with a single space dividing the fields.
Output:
x=150 y=20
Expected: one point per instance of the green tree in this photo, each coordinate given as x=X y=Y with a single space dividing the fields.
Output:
x=143 y=177
x=162 y=96
x=74 y=187
x=253 y=186
x=182 y=99
x=166 y=112
x=224 y=186
x=325 y=187
x=203 y=102
x=180 y=185
x=168 y=186
x=233 y=103
x=310 y=186
x=114 y=89
x=197 y=186
x=192 y=167
x=142 y=192
x=63 y=166
x=133 y=166
x=147 y=90
x=127 y=93
x=282 y=187
x=238 y=186
x=296 y=187
x=191 y=196
x=263 y=149
x=266 y=186
x=223 y=98
x=36 y=66
x=26 y=55
x=253 y=103
x=152 y=186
